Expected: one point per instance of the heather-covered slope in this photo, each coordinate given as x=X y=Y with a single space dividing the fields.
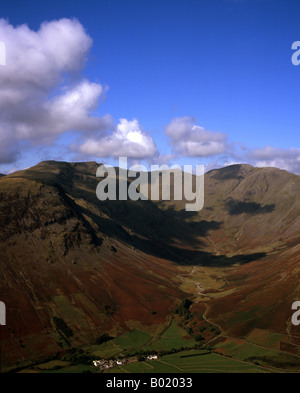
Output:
x=73 y=268
x=64 y=281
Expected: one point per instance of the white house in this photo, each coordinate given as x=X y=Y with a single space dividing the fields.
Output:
x=152 y=357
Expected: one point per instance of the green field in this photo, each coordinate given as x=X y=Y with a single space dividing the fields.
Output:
x=52 y=365
x=173 y=337
x=233 y=355
x=125 y=344
x=252 y=353
x=74 y=369
x=58 y=366
x=266 y=338
x=134 y=339
x=190 y=362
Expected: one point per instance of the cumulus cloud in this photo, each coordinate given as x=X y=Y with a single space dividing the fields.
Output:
x=191 y=140
x=42 y=95
x=127 y=139
x=71 y=110
x=287 y=159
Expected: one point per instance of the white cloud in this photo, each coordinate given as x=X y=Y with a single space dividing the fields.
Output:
x=127 y=140
x=287 y=159
x=38 y=58
x=71 y=110
x=42 y=95
x=192 y=140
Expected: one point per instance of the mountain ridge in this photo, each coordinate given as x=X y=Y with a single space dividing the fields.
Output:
x=108 y=266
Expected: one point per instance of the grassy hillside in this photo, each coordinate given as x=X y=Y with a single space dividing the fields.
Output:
x=73 y=268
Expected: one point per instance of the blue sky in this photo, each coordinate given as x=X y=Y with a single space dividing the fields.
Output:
x=184 y=75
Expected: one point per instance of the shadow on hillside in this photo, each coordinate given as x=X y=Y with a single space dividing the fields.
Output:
x=194 y=257
x=236 y=207
x=150 y=236
x=143 y=225
x=145 y=219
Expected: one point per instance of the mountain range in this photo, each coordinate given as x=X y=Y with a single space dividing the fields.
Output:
x=73 y=268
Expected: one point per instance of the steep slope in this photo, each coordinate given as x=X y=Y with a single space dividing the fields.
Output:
x=258 y=208
x=73 y=268
x=65 y=282
x=246 y=210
